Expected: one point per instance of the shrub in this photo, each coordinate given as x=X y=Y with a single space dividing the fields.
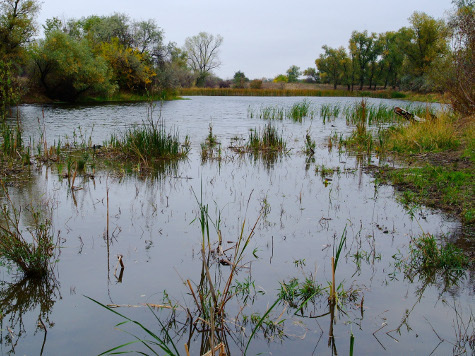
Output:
x=256 y=84
x=31 y=250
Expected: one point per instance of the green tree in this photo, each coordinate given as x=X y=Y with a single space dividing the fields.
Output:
x=330 y=65
x=281 y=78
x=455 y=72
x=174 y=72
x=239 y=79
x=428 y=43
x=364 y=50
x=312 y=75
x=103 y=29
x=293 y=74
x=347 y=66
x=203 y=54
x=67 y=68
x=132 y=70
x=10 y=90
x=17 y=26
x=147 y=37
x=392 y=57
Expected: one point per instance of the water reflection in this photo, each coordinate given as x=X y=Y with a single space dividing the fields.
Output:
x=20 y=298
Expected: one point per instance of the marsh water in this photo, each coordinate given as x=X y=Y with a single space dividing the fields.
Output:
x=300 y=215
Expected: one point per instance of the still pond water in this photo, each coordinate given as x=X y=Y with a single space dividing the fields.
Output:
x=152 y=225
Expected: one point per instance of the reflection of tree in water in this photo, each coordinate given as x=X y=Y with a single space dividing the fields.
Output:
x=22 y=297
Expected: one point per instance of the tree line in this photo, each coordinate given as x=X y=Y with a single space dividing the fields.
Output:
x=407 y=58
x=97 y=56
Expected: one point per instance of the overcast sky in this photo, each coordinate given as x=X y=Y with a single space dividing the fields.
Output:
x=262 y=38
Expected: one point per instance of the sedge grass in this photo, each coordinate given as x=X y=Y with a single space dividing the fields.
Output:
x=11 y=139
x=299 y=110
x=268 y=139
x=148 y=142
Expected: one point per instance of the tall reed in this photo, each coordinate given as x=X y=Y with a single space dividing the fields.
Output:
x=266 y=140
x=149 y=141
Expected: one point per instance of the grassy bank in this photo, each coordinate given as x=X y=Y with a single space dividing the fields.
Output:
x=440 y=154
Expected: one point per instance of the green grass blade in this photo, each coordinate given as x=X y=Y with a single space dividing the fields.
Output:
x=260 y=323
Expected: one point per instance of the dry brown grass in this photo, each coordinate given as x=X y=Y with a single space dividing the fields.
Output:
x=433 y=135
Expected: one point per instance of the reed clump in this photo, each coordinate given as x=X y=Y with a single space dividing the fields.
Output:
x=299 y=110
x=310 y=144
x=267 y=139
x=13 y=153
x=211 y=147
x=329 y=111
x=361 y=138
x=149 y=142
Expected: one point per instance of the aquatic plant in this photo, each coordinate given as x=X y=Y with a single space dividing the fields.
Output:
x=298 y=294
x=329 y=111
x=386 y=94
x=11 y=139
x=156 y=340
x=210 y=295
x=298 y=111
x=431 y=261
x=265 y=140
x=426 y=255
x=33 y=250
x=211 y=139
x=267 y=113
x=149 y=141
x=309 y=144
x=210 y=148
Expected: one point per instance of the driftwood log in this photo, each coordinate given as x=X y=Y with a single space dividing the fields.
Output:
x=407 y=115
